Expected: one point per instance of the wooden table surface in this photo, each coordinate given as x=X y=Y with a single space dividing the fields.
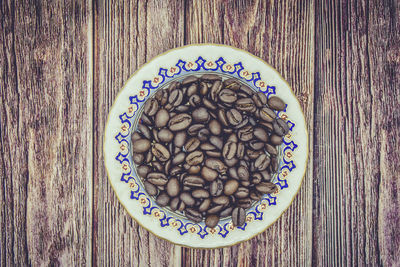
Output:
x=62 y=63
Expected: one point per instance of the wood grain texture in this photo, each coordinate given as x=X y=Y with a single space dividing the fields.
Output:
x=45 y=92
x=127 y=35
x=356 y=134
x=62 y=63
x=282 y=33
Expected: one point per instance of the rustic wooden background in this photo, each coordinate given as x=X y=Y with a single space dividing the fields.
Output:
x=63 y=62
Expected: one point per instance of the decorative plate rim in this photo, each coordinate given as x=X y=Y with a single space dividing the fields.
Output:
x=283 y=209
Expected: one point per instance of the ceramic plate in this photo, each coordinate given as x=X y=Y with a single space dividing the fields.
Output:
x=123 y=118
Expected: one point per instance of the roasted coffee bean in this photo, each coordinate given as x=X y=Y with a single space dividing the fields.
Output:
x=143 y=170
x=231 y=162
x=242 y=192
x=229 y=150
x=194 y=100
x=203 y=88
x=179 y=122
x=262 y=162
x=176 y=170
x=203 y=134
x=280 y=127
x=174 y=203
x=138 y=158
x=172 y=86
x=276 y=140
x=173 y=187
x=227 y=96
x=276 y=103
x=161 y=118
x=256 y=145
x=212 y=220
x=187 y=198
x=160 y=152
x=200 y=115
x=192 y=90
x=215 y=127
x=189 y=80
x=256 y=196
x=200 y=193
x=216 y=188
x=175 y=97
x=222 y=117
x=157 y=178
x=244 y=122
x=266 y=176
x=165 y=135
x=244 y=203
x=193 y=215
x=208 y=174
x=151 y=107
x=136 y=136
x=215 y=89
x=271 y=150
x=233 y=173
x=238 y=216
x=253 y=154
x=221 y=200
x=194 y=169
x=267 y=114
x=207 y=147
x=217 y=142
x=267 y=126
x=266 y=187
x=205 y=205
x=260 y=134
x=243 y=173
x=195 y=158
x=140 y=145
x=213 y=154
x=150 y=188
x=162 y=199
x=192 y=144
x=230 y=187
x=234 y=117
x=274 y=165
x=245 y=104
x=240 y=150
x=211 y=77
x=247 y=90
x=179 y=139
x=260 y=99
x=193 y=181
x=209 y=104
x=194 y=129
x=256 y=178
x=215 y=209
x=216 y=164
x=245 y=133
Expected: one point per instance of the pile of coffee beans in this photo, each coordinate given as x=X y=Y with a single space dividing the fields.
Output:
x=207 y=147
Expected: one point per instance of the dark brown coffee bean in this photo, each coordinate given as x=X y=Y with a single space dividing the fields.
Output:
x=160 y=152
x=215 y=127
x=232 y=84
x=193 y=215
x=187 y=198
x=271 y=150
x=234 y=117
x=192 y=90
x=215 y=89
x=240 y=150
x=208 y=174
x=229 y=150
x=175 y=97
x=222 y=117
x=260 y=99
x=261 y=134
x=227 y=96
x=150 y=188
x=243 y=123
x=200 y=115
x=145 y=131
x=216 y=188
x=266 y=187
x=189 y=80
x=138 y=158
x=160 y=95
x=243 y=173
x=195 y=158
x=192 y=144
x=203 y=134
x=256 y=195
x=276 y=140
x=242 y=192
x=179 y=122
x=146 y=120
x=212 y=220
x=161 y=119
x=200 y=193
x=276 y=103
x=280 y=127
x=262 y=162
x=244 y=203
x=173 y=187
x=155 y=135
x=247 y=90
x=216 y=164
x=172 y=86
x=221 y=200
x=203 y=88
x=136 y=136
x=193 y=181
x=266 y=176
x=267 y=114
x=213 y=154
x=267 y=126
x=174 y=204
x=175 y=171
x=179 y=139
x=238 y=216
x=165 y=135
x=157 y=178
x=245 y=133
x=215 y=209
x=256 y=145
x=194 y=100
x=205 y=204
x=207 y=147
x=211 y=77
x=256 y=178
x=194 y=129
x=157 y=166
x=230 y=187
x=274 y=165
x=253 y=154
x=149 y=156
x=151 y=107
x=209 y=104
x=143 y=171
x=231 y=162
x=162 y=199
x=245 y=104
x=140 y=146
x=194 y=169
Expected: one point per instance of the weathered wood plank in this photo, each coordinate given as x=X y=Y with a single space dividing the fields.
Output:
x=356 y=135
x=127 y=35
x=45 y=133
x=282 y=33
